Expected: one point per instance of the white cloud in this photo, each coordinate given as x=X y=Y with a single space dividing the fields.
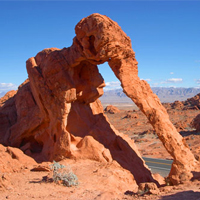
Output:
x=147 y=79
x=174 y=80
x=168 y=81
x=198 y=81
x=171 y=72
x=155 y=84
x=4 y=87
x=112 y=85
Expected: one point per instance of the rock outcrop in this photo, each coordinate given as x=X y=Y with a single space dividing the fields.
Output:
x=111 y=109
x=177 y=105
x=7 y=96
x=131 y=115
x=193 y=103
x=14 y=160
x=56 y=112
x=190 y=104
x=196 y=123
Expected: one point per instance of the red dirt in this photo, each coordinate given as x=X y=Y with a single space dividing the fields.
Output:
x=99 y=180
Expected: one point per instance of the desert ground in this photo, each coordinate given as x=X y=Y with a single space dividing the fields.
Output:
x=131 y=121
x=102 y=181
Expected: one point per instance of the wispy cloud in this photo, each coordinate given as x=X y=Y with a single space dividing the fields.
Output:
x=155 y=84
x=165 y=83
x=4 y=87
x=112 y=85
x=198 y=81
x=174 y=80
x=147 y=79
x=171 y=72
x=197 y=61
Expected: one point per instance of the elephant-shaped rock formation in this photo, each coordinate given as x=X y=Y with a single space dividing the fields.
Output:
x=56 y=112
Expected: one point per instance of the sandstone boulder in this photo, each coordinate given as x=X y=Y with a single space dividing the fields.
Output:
x=196 y=123
x=14 y=160
x=56 y=112
x=131 y=115
x=177 y=105
x=111 y=109
x=148 y=188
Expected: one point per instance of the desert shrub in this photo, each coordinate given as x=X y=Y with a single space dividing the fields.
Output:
x=168 y=182
x=142 y=192
x=63 y=175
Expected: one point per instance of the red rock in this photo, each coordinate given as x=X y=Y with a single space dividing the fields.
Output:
x=56 y=112
x=41 y=168
x=190 y=104
x=181 y=125
x=7 y=96
x=194 y=101
x=14 y=160
x=148 y=188
x=89 y=148
x=111 y=109
x=196 y=123
x=177 y=105
x=131 y=115
x=4 y=182
x=160 y=179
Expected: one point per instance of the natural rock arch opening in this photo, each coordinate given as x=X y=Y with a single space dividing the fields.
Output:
x=58 y=106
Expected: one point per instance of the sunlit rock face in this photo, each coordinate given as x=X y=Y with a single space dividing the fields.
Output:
x=56 y=112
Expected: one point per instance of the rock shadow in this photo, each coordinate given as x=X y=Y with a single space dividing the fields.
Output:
x=191 y=195
x=187 y=133
x=121 y=149
x=196 y=176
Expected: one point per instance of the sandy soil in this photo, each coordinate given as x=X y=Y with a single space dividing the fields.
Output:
x=133 y=122
x=96 y=181
x=107 y=181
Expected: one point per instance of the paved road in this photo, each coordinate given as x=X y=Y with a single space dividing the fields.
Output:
x=159 y=165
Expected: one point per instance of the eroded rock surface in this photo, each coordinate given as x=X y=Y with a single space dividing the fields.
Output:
x=111 y=109
x=189 y=104
x=14 y=160
x=56 y=112
x=196 y=123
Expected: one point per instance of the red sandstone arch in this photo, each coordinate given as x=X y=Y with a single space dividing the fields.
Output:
x=57 y=114
x=107 y=42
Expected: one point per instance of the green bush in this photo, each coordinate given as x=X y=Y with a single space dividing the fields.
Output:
x=63 y=175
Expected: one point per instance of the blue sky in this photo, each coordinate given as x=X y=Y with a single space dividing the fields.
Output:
x=165 y=37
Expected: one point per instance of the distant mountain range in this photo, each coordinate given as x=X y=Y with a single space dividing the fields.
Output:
x=166 y=95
